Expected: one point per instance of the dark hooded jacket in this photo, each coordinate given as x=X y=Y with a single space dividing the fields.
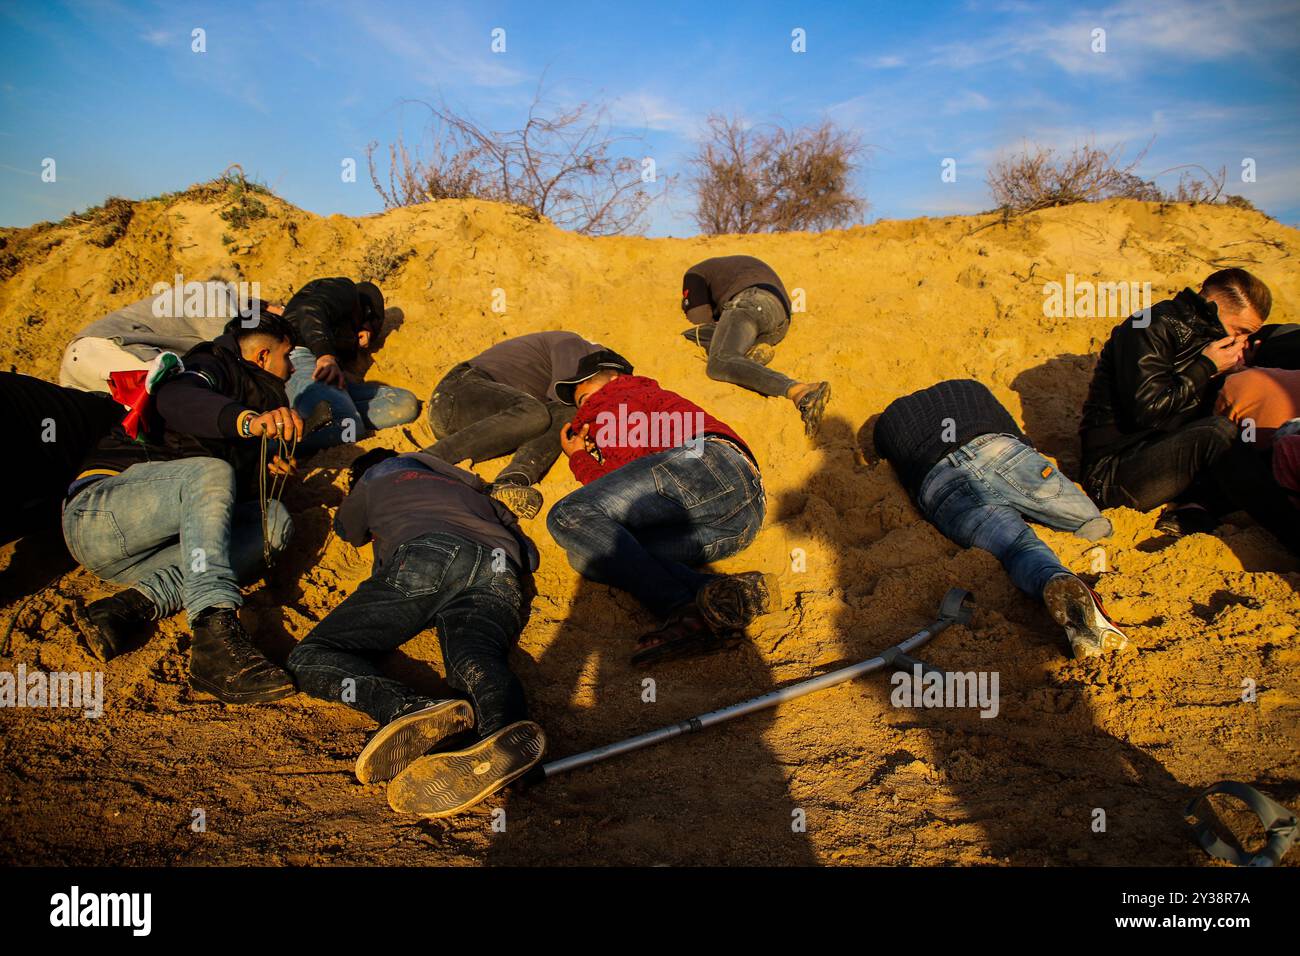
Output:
x=327 y=314
x=1151 y=378
x=196 y=415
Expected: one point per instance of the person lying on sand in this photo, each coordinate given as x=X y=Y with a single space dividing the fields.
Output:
x=976 y=477
x=446 y=555
x=174 y=513
x=1149 y=433
x=502 y=402
x=129 y=339
x=338 y=323
x=666 y=488
x=739 y=311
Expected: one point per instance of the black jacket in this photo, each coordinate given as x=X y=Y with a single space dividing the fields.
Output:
x=195 y=415
x=326 y=314
x=1151 y=380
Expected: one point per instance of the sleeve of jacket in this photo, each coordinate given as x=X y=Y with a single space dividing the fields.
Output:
x=1160 y=392
x=351 y=521
x=195 y=403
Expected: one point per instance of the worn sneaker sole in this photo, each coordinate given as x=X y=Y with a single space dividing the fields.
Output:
x=1073 y=605
x=278 y=692
x=402 y=741
x=813 y=406
x=442 y=784
x=523 y=500
x=731 y=602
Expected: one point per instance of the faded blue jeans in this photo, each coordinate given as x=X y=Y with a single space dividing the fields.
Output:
x=367 y=405
x=173 y=531
x=981 y=494
x=646 y=526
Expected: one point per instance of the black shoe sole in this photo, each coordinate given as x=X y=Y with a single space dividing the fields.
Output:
x=249 y=697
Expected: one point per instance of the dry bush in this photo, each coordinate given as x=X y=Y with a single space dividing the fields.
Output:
x=1038 y=177
x=108 y=222
x=774 y=179
x=383 y=257
x=561 y=164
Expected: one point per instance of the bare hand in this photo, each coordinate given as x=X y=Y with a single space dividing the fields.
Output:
x=283 y=467
x=282 y=423
x=1226 y=353
x=574 y=442
x=328 y=371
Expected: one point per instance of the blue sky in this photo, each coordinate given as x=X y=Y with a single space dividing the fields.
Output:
x=113 y=92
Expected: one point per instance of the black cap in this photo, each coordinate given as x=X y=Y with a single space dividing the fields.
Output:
x=588 y=366
x=373 y=300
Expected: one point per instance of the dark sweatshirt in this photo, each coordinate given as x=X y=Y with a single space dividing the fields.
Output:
x=533 y=363
x=912 y=433
x=416 y=494
x=708 y=285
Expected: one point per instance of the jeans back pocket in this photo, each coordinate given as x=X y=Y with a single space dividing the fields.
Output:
x=419 y=567
x=690 y=480
x=1030 y=474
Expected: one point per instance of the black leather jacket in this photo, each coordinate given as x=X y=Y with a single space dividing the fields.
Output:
x=1151 y=380
x=326 y=315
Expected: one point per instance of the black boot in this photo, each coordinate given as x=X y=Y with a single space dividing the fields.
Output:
x=224 y=662
x=107 y=625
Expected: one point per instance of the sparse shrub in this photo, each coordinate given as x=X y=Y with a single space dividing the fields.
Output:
x=559 y=164
x=773 y=179
x=383 y=257
x=109 y=222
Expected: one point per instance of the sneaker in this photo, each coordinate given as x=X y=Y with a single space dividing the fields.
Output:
x=108 y=625
x=729 y=602
x=524 y=500
x=411 y=734
x=225 y=664
x=441 y=784
x=1076 y=607
x=812 y=406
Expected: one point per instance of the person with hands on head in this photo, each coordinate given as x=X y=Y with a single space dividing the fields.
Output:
x=338 y=323
x=666 y=488
x=174 y=512
x=1149 y=434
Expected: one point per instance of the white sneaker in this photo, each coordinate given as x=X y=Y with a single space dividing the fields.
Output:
x=1076 y=607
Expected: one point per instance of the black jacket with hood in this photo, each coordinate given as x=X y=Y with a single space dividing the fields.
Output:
x=327 y=314
x=1151 y=378
x=196 y=415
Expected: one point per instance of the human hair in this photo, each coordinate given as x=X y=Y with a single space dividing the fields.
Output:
x=363 y=463
x=267 y=326
x=1241 y=289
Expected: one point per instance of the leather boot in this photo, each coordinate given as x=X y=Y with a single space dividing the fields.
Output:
x=224 y=662
x=108 y=625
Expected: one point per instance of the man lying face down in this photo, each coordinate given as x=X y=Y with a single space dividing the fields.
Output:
x=449 y=556
x=975 y=476
x=174 y=513
x=667 y=488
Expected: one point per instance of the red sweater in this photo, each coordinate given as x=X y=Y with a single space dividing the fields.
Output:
x=631 y=417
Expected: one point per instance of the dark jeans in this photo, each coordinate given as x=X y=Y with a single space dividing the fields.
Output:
x=436 y=580
x=1162 y=469
x=749 y=317
x=478 y=418
x=646 y=526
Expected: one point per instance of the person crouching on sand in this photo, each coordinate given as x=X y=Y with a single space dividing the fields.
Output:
x=976 y=477
x=446 y=555
x=666 y=488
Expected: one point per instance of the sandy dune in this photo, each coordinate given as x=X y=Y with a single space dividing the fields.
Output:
x=890 y=308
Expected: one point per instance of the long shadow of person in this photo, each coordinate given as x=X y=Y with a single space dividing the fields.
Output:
x=720 y=797
x=1041 y=782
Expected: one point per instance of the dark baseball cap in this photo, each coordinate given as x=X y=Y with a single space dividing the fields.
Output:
x=589 y=365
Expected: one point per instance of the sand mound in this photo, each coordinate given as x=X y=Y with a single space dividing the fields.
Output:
x=890 y=308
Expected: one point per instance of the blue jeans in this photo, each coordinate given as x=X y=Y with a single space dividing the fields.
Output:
x=980 y=495
x=359 y=409
x=436 y=580
x=172 y=530
x=646 y=526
